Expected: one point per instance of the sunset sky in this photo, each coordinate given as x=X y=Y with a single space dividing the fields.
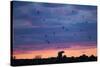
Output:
x=46 y=28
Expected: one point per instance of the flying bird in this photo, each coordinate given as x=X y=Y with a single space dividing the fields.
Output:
x=53 y=33
x=45 y=36
x=63 y=27
x=47 y=41
x=81 y=30
x=66 y=29
x=89 y=37
x=38 y=12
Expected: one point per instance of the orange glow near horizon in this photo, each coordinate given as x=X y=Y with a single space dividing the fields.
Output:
x=53 y=53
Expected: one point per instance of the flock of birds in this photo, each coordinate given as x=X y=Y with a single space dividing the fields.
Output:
x=63 y=28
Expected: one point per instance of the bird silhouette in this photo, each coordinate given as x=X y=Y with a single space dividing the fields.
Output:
x=38 y=12
x=67 y=29
x=63 y=27
x=80 y=30
x=89 y=37
x=45 y=35
x=47 y=41
x=54 y=33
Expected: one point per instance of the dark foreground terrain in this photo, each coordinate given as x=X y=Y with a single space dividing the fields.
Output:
x=52 y=60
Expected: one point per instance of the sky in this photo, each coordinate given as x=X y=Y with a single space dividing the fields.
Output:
x=46 y=28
